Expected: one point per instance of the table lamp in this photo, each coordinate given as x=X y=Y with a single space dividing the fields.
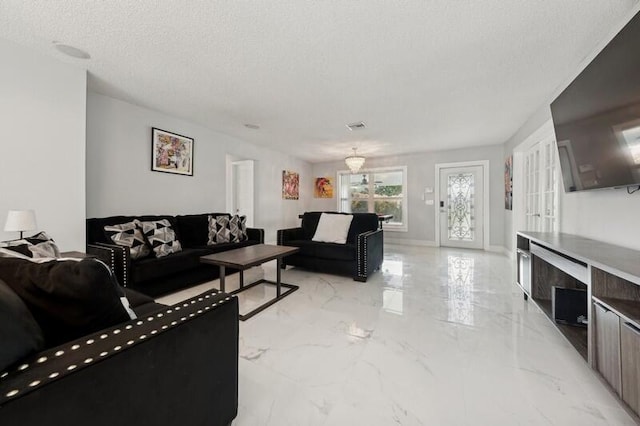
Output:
x=20 y=221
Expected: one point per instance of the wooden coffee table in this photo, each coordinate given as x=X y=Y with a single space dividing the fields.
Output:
x=246 y=257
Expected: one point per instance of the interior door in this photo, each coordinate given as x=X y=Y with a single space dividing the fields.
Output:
x=541 y=187
x=242 y=189
x=532 y=189
x=461 y=207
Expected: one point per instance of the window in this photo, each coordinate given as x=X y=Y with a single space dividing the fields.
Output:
x=381 y=191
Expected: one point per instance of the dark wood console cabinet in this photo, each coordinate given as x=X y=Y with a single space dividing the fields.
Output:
x=610 y=275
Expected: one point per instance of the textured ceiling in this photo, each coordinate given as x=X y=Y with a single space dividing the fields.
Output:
x=423 y=75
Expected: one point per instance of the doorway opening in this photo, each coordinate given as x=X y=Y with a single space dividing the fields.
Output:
x=240 y=188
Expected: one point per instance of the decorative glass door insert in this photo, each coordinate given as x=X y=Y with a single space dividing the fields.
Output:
x=461 y=220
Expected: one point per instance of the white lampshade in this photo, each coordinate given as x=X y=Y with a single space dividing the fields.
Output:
x=354 y=162
x=20 y=220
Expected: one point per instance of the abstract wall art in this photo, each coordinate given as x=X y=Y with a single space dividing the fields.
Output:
x=290 y=185
x=171 y=153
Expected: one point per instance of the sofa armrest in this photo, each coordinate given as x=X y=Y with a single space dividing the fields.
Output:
x=256 y=234
x=178 y=365
x=369 y=252
x=105 y=254
x=290 y=234
x=119 y=259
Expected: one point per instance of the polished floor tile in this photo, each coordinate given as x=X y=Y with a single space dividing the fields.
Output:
x=438 y=337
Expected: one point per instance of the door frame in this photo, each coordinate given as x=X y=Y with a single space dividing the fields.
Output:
x=485 y=199
x=518 y=214
x=230 y=185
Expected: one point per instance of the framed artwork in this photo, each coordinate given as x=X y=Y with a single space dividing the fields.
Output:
x=508 y=183
x=290 y=185
x=323 y=188
x=171 y=153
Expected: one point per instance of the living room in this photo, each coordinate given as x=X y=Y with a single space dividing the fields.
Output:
x=80 y=130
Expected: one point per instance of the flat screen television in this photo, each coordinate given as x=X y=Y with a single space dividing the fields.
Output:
x=597 y=118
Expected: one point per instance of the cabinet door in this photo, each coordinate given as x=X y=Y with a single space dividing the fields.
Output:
x=524 y=271
x=630 y=356
x=608 y=346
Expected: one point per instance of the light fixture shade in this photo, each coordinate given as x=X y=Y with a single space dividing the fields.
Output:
x=20 y=220
x=354 y=162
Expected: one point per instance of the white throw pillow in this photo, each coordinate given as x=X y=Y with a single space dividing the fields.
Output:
x=333 y=228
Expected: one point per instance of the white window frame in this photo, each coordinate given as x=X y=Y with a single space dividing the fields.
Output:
x=404 y=226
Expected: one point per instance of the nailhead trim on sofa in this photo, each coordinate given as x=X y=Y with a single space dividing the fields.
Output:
x=127 y=334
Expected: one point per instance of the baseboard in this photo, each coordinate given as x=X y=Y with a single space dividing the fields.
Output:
x=427 y=243
x=509 y=253
x=408 y=242
x=502 y=250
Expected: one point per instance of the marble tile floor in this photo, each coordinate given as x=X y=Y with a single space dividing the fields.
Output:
x=438 y=337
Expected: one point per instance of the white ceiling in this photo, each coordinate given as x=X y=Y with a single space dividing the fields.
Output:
x=423 y=75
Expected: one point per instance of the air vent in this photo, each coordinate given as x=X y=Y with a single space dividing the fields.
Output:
x=356 y=126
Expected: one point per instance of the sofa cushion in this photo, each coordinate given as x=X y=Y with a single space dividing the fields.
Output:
x=157 y=268
x=37 y=246
x=136 y=298
x=67 y=298
x=142 y=304
x=19 y=332
x=332 y=251
x=95 y=226
x=362 y=222
x=333 y=228
x=238 y=228
x=161 y=236
x=217 y=248
x=219 y=230
x=129 y=235
x=309 y=224
x=193 y=229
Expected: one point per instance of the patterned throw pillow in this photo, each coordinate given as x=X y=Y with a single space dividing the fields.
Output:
x=160 y=236
x=219 y=231
x=238 y=228
x=128 y=235
x=37 y=246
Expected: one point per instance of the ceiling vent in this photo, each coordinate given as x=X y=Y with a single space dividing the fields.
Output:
x=356 y=126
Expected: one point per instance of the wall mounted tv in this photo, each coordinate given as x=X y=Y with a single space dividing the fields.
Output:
x=597 y=118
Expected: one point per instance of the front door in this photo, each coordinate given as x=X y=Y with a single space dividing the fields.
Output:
x=461 y=207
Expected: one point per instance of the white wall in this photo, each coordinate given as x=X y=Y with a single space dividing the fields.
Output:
x=421 y=174
x=120 y=180
x=42 y=161
x=603 y=215
x=606 y=215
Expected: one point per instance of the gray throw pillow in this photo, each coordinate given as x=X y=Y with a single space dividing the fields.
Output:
x=128 y=235
x=19 y=333
x=38 y=246
x=219 y=231
x=161 y=237
x=238 y=228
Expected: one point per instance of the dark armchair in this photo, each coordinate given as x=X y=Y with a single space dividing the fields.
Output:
x=359 y=257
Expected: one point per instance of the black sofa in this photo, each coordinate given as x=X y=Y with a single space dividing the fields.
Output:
x=173 y=365
x=362 y=254
x=158 y=276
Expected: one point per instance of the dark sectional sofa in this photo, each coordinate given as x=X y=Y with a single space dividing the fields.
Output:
x=172 y=365
x=362 y=254
x=157 y=276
